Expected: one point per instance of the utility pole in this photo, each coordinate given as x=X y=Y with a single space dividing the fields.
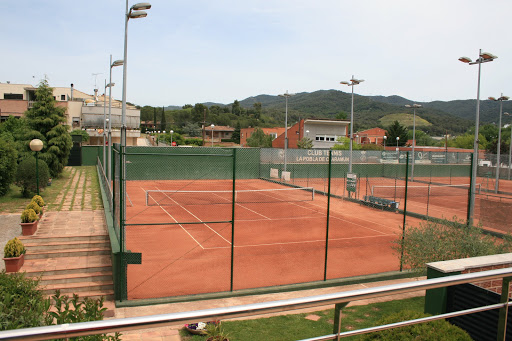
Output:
x=204 y=124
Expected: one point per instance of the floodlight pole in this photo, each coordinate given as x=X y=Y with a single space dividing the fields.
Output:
x=104 y=126
x=482 y=58
x=414 y=106
x=212 y=125
x=510 y=148
x=286 y=95
x=111 y=65
x=498 y=153
x=352 y=82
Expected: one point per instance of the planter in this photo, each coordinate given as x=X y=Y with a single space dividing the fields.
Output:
x=41 y=212
x=14 y=264
x=28 y=229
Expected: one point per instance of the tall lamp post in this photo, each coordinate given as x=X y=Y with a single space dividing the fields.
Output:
x=351 y=83
x=385 y=139
x=212 y=125
x=414 y=106
x=172 y=131
x=483 y=57
x=510 y=147
x=397 y=139
x=36 y=145
x=112 y=64
x=498 y=156
x=286 y=95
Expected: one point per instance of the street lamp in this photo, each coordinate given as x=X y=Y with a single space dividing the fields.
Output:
x=112 y=64
x=352 y=82
x=213 y=125
x=36 y=145
x=397 y=139
x=483 y=57
x=286 y=95
x=385 y=139
x=172 y=131
x=510 y=148
x=498 y=156
x=414 y=106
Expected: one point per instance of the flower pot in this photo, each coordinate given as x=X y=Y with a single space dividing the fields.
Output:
x=41 y=212
x=14 y=264
x=28 y=229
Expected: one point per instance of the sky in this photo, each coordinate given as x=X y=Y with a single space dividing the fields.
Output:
x=195 y=51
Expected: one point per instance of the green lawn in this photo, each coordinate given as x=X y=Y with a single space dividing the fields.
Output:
x=297 y=327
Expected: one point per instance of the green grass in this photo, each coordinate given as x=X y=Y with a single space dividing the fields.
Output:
x=296 y=326
x=404 y=119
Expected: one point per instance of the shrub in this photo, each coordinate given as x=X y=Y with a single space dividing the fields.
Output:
x=14 y=248
x=434 y=241
x=28 y=216
x=34 y=206
x=22 y=305
x=8 y=157
x=26 y=176
x=38 y=200
x=431 y=331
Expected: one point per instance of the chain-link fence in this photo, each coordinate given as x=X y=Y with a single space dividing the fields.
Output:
x=204 y=220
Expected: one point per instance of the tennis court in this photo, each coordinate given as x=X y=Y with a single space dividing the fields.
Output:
x=280 y=237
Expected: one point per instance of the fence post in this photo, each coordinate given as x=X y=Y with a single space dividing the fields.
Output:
x=502 y=322
x=233 y=220
x=337 y=318
x=328 y=213
x=405 y=211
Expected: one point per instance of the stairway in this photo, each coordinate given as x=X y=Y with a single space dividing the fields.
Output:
x=72 y=263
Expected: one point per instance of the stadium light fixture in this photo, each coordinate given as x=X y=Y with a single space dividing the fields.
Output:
x=353 y=81
x=414 y=107
x=484 y=57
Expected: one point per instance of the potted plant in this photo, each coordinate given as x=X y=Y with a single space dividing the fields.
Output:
x=215 y=332
x=14 y=255
x=40 y=202
x=29 y=221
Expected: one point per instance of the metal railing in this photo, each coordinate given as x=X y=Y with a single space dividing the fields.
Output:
x=339 y=299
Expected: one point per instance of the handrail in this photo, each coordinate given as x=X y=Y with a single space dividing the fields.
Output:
x=143 y=322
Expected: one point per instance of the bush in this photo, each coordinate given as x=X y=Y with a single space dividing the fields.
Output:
x=28 y=216
x=22 y=305
x=194 y=141
x=26 y=176
x=431 y=331
x=38 y=200
x=8 y=157
x=433 y=242
x=14 y=248
x=34 y=206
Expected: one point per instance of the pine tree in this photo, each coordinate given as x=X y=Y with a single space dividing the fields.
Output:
x=47 y=123
x=163 y=123
x=397 y=130
x=236 y=133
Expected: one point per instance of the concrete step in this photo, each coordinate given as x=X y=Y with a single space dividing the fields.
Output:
x=67 y=265
x=67 y=253
x=57 y=239
x=105 y=287
x=107 y=294
x=100 y=276
x=62 y=245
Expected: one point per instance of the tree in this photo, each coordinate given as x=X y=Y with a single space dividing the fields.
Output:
x=154 y=118
x=397 y=130
x=257 y=110
x=17 y=131
x=83 y=133
x=344 y=144
x=305 y=143
x=236 y=134
x=341 y=115
x=192 y=129
x=163 y=123
x=235 y=108
x=198 y=112
x=259 y=139
x=47 y=123
x=26 y=176
x=8 y=157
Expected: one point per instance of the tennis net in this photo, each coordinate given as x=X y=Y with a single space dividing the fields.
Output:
x=421 y=191
x=180 y=197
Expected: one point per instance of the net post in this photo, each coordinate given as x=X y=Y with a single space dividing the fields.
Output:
x=328 y=213
x=405 y=212
x=313 y=193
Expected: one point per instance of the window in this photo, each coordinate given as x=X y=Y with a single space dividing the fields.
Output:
x=62 y=97
x=329 y=138
x=13 y=96
x=274 y=135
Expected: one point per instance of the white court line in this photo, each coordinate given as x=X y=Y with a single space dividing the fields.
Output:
x=193 y=215
x=300 y=242
x=244 y=207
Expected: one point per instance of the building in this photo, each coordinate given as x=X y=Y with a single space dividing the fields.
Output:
x=218 y=133
x=322 y=131
x=83 y=111
x=370 y=136
x=245 y=133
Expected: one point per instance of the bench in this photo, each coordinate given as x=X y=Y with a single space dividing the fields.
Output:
x=370 y=200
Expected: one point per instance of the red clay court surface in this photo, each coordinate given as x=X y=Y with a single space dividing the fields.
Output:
x=275 y=243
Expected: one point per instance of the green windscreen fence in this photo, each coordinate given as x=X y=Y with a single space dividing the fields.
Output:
x=206 y=220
